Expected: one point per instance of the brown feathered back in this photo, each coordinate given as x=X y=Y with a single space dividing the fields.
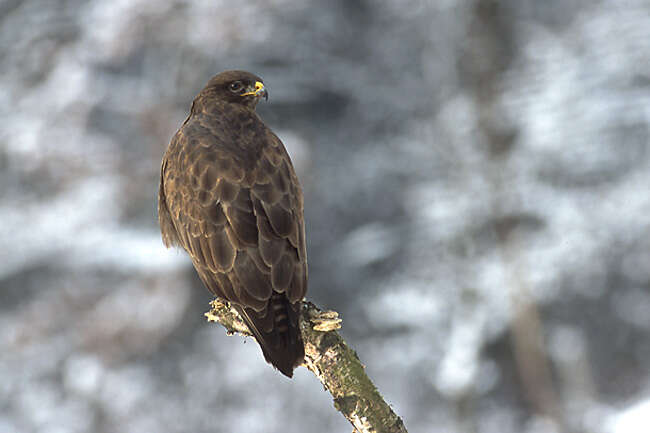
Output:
x=230 y=197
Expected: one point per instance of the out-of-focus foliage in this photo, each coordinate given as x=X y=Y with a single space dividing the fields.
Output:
x=477 y=189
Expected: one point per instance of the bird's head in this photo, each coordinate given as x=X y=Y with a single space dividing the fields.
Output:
x=238 y=87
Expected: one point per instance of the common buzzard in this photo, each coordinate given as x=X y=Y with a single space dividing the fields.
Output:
x=230 y=197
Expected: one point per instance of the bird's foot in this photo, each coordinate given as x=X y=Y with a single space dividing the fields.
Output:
x=225 y=314
x=325 y=321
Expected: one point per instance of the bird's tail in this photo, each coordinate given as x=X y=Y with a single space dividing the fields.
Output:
x=276 y=330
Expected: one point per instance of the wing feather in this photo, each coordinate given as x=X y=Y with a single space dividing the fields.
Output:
x=223 y=252
x=282 y=274
x=255 y=283
x=244 y=225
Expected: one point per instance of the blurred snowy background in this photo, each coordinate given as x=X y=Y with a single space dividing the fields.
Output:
x=477 y=189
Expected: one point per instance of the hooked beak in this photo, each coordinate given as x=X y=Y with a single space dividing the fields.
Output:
x=259 y=91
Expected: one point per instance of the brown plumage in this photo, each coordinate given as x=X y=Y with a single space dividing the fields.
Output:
x=230 y=197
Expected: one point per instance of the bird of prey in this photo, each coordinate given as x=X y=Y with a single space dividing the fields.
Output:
x=230 y=197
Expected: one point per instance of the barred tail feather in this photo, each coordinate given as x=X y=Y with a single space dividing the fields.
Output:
x=276 y=330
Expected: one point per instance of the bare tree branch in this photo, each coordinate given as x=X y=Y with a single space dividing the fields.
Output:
x=334 y=363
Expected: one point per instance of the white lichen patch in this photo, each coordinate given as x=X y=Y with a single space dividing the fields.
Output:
x=325 y=321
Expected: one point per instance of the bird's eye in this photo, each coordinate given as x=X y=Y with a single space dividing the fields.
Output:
x=235 y=86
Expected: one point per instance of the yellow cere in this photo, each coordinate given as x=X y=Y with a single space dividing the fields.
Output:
x=258 y=88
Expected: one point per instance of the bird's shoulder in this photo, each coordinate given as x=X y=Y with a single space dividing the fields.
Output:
x=204 y=166
x=206 y=138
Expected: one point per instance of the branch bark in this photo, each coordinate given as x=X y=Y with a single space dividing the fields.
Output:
x=334 y=363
